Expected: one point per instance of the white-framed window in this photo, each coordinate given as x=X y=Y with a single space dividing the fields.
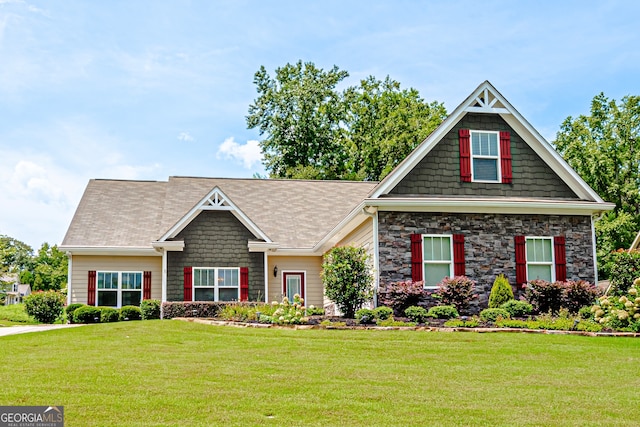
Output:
x=119 y=288
x=216 y=284
x=540 y=258
x=437 y=258
x=485 y=156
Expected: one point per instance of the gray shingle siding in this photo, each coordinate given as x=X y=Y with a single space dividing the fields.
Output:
x=215 y=239
x=439 y=172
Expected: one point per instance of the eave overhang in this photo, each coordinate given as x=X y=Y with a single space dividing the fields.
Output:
x=110 y=250
x=169 y=245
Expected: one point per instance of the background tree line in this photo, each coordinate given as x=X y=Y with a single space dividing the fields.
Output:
x=44 y=270
x=313 y=130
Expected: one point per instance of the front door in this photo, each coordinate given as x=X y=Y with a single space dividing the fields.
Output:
x=293 y=283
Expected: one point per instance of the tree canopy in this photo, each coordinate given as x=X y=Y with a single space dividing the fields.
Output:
x=312 y=130
x=604 y=148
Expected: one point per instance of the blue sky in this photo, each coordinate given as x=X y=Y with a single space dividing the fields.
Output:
x=150 y=89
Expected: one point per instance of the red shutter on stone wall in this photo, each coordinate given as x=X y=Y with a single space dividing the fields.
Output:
x=505 y=157
x=146 y=285
x=465 y=155
x=416 y=257
x=244 y=283
x=188 y=283
x=91 y=288
x=458 y=255
x=559 y=253
x=521 y=260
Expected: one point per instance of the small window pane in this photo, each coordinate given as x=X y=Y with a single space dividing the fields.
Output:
x=226 y=294
x=131 y=297
x=228 y=277
x=107 y=280
x=475 y=143
x=203 y=277
x=293 y=286
x=204 y=294
x=437 y=248
x=434 y=273
x=131 y=280
x=539 y=272
x=539 y=250
x=485 y=169
x=107 y=298
x=493 y=144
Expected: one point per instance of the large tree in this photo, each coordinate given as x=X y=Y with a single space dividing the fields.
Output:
x=604 y=148
x=313 y=130
x=15 y=255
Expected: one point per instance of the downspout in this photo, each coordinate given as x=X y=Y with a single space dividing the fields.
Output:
x=593 y=245
x=69 y=276
x=164 y=274
x=376 y=276
x=266 y=277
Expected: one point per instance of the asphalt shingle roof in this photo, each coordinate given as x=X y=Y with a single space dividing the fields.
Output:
x=293 y=213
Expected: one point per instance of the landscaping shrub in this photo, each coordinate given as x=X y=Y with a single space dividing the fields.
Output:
x=202 y=309
x=150 y=309
x=312 y=310
x=625 y=269
x=578 y=294
x=585 y=313
x=70 y=309
x=286 y=312
x=493 y=314
x=459 y=323
x=544 y=296
x=382 y=313
x=109 y=314
x=416 y=314
x=347 y=279
x=401 y=295
x=45 y=307
x=443 y=312
x=517 y=308
x=621 y=313
x=130 y=312
x=365 y=316
x=456 y=291
x=391 y=322
x=87 y=314
x=501 y=292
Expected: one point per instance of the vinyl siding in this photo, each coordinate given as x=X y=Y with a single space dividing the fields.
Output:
x=311 y=265
x=362 y=236
x=83 y=264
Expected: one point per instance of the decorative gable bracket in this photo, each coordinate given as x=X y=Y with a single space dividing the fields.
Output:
x=487 y=102
x=216 y=202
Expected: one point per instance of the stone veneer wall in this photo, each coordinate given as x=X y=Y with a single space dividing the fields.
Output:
x=215 y=239
x=489 y=246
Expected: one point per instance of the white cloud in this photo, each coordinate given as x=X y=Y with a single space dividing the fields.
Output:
x=185 y=137
x=249 y=153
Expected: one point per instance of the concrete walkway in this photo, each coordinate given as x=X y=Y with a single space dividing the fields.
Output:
x=12 y=330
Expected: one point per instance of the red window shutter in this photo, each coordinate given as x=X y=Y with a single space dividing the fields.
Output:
x=559 y=253
x=91 y=289
x=521 y=260
x=146 y=285
x=458 y=255
x=465 y=155
x=188 y=283
x=244 y=283
x=505 y=157
x=416 y=257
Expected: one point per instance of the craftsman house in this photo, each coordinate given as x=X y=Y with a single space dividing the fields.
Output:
x=484 y=194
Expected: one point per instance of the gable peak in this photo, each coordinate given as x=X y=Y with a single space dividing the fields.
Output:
x=486 y=100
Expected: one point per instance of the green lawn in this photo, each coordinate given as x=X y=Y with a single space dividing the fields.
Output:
x=172 y=373
x=14 y=315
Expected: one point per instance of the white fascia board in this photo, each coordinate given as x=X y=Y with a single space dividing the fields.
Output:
x=204 y=205
x=490 y=206
x=295 y=252
x=263 y=246
x=169 y=245
x=344 y=227
x=111 y=250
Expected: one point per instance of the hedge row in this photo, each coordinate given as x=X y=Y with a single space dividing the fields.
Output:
x=200 y=309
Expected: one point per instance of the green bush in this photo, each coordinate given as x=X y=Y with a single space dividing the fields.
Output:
x=383 y=313
x=625 y=269
x=130 y=312
x=493 y=314
x=347 y=278
x=365 y=316
x=517 y=308
x=206 y=309
x=150 y=309
x=416 y=314
x=312 y=310
x=585 y=313
x=621 y=313
x=456 y=291
x=70 y=309
x=109 y=314
x=459 y=323
x=391 y=322
x=45 y=307
x=87 y=314
x=443 y=312
x=501 y=292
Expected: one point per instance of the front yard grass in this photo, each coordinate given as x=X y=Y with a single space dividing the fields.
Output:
x=173 y=373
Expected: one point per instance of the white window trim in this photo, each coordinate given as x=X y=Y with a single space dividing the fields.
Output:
x=553 y=256
x=119 y=290
x=216 y=288
x=424 y=275
x=497 y=158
